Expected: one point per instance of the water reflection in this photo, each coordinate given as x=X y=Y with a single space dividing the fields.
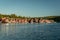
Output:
x=7 y=29
x=30 y=32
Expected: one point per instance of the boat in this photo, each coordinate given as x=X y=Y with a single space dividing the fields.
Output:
x=7 y=24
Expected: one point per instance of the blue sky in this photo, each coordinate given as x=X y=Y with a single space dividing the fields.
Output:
x=32 y=8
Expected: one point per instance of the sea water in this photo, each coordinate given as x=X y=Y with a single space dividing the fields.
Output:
x=30 y=31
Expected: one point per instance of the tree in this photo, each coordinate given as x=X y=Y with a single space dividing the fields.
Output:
x=13 y=16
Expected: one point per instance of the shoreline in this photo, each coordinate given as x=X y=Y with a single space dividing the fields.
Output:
x=25 y=20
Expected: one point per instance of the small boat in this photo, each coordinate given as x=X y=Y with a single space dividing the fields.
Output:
x=7 y=23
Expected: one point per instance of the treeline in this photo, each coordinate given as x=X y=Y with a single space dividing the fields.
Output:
x=55 y=18
x=11 y=16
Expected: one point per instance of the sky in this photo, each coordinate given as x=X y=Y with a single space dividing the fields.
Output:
x=30 y=8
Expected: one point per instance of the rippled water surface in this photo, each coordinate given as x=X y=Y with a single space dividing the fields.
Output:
x=30 y=31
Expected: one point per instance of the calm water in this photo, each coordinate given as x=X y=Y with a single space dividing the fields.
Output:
x=30 y=31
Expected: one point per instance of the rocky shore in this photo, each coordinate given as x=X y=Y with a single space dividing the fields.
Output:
x=25 y=20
